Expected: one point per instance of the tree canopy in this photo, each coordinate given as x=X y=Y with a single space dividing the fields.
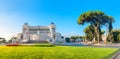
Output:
x=97 y=19
x=89 y=32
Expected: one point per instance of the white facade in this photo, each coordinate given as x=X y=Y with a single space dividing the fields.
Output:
x=38 y=33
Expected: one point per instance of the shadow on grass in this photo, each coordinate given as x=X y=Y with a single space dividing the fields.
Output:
x=40 y=45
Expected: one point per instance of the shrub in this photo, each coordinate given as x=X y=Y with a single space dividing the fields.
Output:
x=12 y=45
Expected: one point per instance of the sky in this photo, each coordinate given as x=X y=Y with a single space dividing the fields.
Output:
x=64 y=13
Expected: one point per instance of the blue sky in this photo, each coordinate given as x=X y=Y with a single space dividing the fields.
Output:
x=64 y=13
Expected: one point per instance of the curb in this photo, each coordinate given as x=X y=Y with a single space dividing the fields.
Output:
x=116 y=54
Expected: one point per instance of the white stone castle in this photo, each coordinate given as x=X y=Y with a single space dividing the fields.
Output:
x=36 y=34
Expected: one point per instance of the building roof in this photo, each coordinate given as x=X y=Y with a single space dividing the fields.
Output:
x=38 y=27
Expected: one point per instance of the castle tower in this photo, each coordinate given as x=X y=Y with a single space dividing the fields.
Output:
x=52 y=31
x=25 y=32
x=25 y=27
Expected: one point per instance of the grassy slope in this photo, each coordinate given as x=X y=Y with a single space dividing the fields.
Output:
x=57 y=52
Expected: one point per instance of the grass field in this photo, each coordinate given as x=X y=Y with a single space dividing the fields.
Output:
x=54 y=52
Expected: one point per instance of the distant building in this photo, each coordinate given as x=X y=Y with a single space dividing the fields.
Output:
x=2 y=40
x=104 y=38
x=36 y=34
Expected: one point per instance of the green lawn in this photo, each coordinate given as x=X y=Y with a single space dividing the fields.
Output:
x=54 y=52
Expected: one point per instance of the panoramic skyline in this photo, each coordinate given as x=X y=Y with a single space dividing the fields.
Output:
x=64 y=13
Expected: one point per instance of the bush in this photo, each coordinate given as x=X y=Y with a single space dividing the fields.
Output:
x=12 y=45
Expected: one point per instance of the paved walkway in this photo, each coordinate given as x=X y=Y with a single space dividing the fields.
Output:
x=117 y=55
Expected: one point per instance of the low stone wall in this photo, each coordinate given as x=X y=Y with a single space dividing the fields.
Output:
x=37 y=41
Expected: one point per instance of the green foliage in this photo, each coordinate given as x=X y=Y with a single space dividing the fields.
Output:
x=62 y=37
x=57 y=52
x=13 y=38
x=97 y=19
x=89 y=32
x=94 y=17
x=74 y=37
x=77 y=37
x=102 y=32
x=2 y=40
x=116 y=35
x=10 y=41
x=68 y=39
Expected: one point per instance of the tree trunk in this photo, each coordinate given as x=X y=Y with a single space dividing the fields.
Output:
x=98 y=35
x=97 y=31
x=106 y=33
